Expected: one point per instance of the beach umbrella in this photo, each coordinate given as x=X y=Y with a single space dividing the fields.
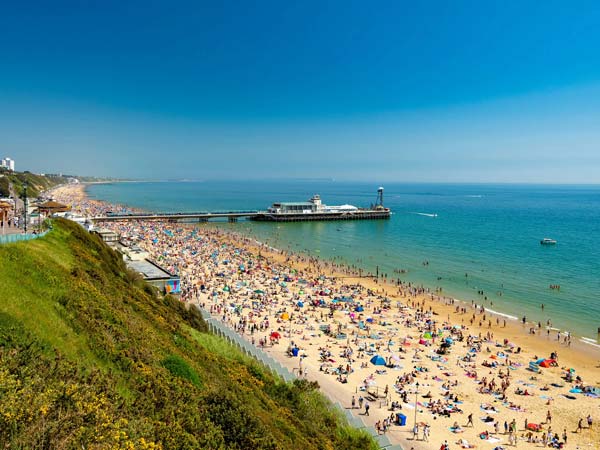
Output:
x=285 y=316
x=378 y=360
x=259 y=291
x=275 y=335
x=300 y=304
x=427 y=335
x=226 y=288
x=370 y=319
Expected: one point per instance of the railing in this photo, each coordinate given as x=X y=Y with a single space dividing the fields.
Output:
x=219 y=328
x=11 y=238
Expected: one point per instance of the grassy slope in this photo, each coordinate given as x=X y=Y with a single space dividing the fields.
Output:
x=36 y=183
x=90 y=358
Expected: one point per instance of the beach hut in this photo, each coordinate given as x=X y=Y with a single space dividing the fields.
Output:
x=378 y=360
x=50 y=207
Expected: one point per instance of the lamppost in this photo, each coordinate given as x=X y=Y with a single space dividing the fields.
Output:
x=416 y=401
x=25 y=204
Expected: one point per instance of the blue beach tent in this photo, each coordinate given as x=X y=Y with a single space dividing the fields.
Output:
x=378 y=360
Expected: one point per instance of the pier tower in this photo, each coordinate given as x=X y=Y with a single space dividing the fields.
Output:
x=379 y=202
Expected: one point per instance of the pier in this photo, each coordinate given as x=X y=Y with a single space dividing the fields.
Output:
x=231 y=216
x=264 y=216
x=312 y=210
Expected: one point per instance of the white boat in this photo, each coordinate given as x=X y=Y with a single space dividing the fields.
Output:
x=548 y=241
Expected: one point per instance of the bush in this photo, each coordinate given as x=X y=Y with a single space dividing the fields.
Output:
x=179 y=368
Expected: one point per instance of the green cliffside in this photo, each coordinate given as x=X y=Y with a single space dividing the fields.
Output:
x=35 y=183
x=91 y=358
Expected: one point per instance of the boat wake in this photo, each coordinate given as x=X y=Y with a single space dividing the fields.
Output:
x=425 y=214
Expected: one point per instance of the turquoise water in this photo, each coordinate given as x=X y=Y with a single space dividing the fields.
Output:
x=490 y=232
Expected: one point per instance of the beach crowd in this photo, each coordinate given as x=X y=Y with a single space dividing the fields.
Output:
x=427 y=371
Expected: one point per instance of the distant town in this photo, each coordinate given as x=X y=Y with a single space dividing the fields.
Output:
x=8 y=163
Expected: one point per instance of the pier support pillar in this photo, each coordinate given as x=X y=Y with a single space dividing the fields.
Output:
x=232 y=219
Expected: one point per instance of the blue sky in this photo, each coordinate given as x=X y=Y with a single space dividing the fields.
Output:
x=391 y=91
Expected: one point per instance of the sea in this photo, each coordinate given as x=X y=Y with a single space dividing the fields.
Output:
x=476 y=242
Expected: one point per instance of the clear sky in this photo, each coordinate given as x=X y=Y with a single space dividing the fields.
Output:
x=498 y=91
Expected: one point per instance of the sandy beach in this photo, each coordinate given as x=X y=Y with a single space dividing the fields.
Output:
x=463 y=373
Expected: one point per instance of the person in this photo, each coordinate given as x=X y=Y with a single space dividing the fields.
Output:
x=426 y=433
x=445 y=446
x=416 y=432
x=470 y=420
x=564 y=436
x=589 y=421
x=353 y=402
x=579 y=425
x=360 y=402
x=367 y=406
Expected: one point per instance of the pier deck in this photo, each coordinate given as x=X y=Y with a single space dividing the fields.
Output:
x=233 y=216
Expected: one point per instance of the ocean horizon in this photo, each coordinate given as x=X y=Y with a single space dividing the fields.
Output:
x=477 y=242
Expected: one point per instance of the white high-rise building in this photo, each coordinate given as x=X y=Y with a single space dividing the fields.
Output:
x=8 y=163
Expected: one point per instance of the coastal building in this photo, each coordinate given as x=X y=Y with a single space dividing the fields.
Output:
x=108 y=236
x=8 y=163
x=155 y=275
x=139 y=261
